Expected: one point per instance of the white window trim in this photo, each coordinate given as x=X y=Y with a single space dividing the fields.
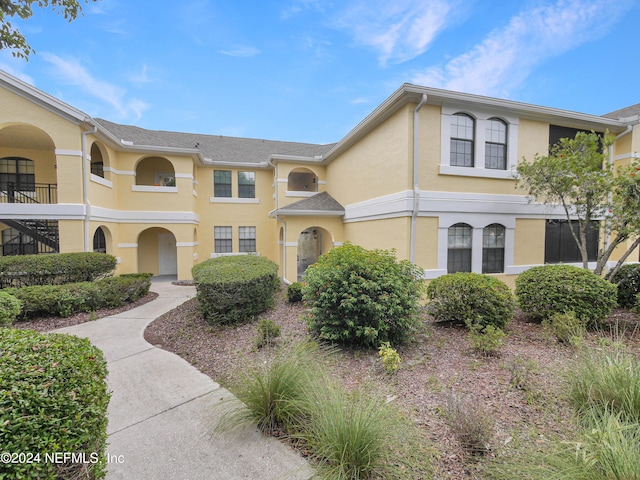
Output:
x=233 y=200
x=477 y=222
x=481 y=117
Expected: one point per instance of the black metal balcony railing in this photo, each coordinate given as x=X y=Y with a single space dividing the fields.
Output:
x=31 y=193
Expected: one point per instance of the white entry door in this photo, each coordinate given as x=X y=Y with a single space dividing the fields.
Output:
x=167 y=254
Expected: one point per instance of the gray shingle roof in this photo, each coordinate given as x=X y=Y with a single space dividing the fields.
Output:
x=319 y=204
x=215 y=147
x=625 y=112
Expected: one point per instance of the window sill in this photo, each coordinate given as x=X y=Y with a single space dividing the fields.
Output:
x=153 y=189
x=233 y=200
x=477 y=172
x=101 y=181
x=299 y=193
x=232 y=254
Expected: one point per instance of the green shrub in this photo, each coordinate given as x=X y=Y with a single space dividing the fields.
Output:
x=294 y=292
x=389 y=357
x=486 y=339
x=362 y=297
x=68 y=299
x=268 y=331
x=53 y=398
x=549 y=289
x=566 y=327
x=628 y=281
x=54 y=268
x=235 y=289
x=470 y=299
x=606 y=380
x=10 y=307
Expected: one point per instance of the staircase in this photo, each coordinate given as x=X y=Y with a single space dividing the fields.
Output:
x=43 y=232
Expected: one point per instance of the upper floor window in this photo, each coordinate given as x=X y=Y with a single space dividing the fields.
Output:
x=462 y=140
x=459 y=248
x=222 y=238
x=247 y=236
x=495 y=144
x=17 y=174
x=97 y=163
x=222 y=183
x=493 y=248
x=246 y=185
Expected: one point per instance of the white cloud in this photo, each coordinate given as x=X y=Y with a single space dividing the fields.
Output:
x=241 y=51
x=13 y=66
x=398 y=30
x=71 y=72
x=141 y=77
x=507 y=56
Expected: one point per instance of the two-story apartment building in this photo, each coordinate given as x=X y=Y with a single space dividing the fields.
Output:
x=428 y=173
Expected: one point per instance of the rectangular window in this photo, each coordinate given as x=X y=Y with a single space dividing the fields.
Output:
x=247 y=236
x=493 y=249
x=495 y=156
x=222 y=183
x=246 y=185
x=459 y=244
x=560 y=247
x=461 y=153
x=222 y=239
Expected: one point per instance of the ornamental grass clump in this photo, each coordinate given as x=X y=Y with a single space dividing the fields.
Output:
x=363 y=297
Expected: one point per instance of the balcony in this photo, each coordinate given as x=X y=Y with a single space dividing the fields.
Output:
x=38 y=193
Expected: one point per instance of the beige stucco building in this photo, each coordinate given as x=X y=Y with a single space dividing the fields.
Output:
x=428 y=173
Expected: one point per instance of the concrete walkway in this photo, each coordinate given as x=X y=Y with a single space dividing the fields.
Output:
x=162 y=411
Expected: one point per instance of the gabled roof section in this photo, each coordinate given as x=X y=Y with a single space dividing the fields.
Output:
x=216 y=149
x=409 y=93
x=42 y=99
x=625 y=113
x=321 y=204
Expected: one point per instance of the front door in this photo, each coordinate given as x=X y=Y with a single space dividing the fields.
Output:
x=167 y=254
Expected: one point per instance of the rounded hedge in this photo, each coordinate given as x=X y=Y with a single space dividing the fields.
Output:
x=53 y=398
x=236 y=288
x=549 y=289
x=470 y=299
x=10 y=307
x=628 y=281
x=362 y=297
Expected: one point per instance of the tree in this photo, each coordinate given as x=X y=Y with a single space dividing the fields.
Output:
x=10 y=36
x=577 y=175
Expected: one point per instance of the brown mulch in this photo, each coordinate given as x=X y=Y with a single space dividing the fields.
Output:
x=438 y=363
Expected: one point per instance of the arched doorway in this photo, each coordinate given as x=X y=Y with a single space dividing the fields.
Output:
x=312 y=242
x=157 y=252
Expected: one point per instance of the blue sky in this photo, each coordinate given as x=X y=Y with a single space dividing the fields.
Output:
x=310 y=70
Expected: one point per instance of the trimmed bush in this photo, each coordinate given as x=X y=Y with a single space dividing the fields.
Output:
x=54 y=268
x=53 y=398
x=294 y=292
x=362 y=297
x=235 y=289
x=68 y=299
x=268 y=331
x=628 y=281
x=566 y=328
x=549 y=289
x=470 y=299
x=10 y=307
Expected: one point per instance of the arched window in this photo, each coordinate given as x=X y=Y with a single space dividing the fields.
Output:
x=493 y=248
x=97 y=163
x=302 y=180
x=99 y=241
x=459 y=248
x=17 y=174
x=495 y=148
x=462 y=140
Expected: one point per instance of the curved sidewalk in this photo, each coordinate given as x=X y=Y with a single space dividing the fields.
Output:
x=162 y=411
